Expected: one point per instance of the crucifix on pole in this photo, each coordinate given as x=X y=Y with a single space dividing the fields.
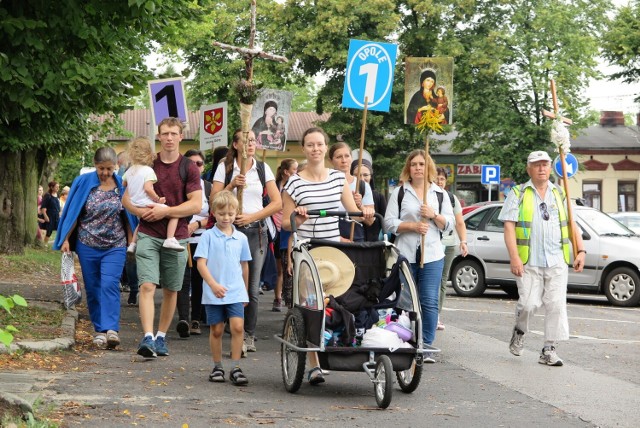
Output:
x=246 y=89
x=561 y=149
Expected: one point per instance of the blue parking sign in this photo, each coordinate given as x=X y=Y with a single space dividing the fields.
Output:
x=370 y=68
x=490 y=174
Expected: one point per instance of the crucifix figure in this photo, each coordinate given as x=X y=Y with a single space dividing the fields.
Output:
x=246 y=89
x=565 y=180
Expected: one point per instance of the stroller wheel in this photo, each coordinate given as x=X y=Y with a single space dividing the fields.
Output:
x=293 y=362
x=383 y=382
x=410 y=379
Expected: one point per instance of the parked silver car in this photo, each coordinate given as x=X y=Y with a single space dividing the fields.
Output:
x=612 y=264
x=629 y=219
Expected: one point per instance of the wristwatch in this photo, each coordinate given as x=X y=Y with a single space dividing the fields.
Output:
x=582 y=251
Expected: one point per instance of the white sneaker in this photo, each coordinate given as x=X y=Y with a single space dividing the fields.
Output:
x=172 y=244
x=100 y=340
x=549 y=357
x=131 y=249
x=517 y=342
x=249 y=341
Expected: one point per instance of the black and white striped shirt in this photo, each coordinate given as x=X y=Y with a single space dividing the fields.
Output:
x=318 y=195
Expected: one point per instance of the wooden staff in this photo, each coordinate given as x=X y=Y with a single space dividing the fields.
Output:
x=565 y=178
x=243 y=167
x=424 y=196
x=362 y=133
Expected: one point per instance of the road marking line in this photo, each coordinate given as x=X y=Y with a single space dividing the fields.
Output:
x=541 y=315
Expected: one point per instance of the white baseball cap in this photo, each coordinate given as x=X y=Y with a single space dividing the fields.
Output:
x=538 y=156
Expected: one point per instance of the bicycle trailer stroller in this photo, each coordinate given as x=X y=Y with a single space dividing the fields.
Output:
x=377 y=264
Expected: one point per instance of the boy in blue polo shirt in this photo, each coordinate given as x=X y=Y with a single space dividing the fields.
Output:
x=222 y=257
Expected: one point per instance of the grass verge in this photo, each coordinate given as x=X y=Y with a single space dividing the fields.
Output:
x=34 y=322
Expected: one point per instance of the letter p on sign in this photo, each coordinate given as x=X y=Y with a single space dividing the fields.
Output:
x=490 y=174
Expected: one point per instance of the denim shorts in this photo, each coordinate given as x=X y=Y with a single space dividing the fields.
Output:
x=217 y=314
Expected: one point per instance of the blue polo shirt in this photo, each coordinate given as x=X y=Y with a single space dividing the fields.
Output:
x=224 y=254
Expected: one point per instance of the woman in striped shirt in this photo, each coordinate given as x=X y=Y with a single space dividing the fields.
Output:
x=317 y=188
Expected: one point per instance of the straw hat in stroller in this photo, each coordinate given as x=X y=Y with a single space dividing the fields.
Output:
x=335 y=269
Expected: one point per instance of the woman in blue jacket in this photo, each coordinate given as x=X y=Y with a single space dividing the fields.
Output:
x=95 y=225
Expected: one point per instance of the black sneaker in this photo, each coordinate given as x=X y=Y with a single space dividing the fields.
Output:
x=183 y=329
x=133 y=298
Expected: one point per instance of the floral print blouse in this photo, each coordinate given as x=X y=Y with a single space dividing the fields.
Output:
x=100 y=224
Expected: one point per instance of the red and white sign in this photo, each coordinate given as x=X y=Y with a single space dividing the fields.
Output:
x=469 y=169
x=213 y=126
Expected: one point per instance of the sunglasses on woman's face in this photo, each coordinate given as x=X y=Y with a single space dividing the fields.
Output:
x=199 y=163
x=545 y=212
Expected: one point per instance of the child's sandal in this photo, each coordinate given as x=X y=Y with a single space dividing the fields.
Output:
x=237 y=377
x=315 y=376
x=217 y=375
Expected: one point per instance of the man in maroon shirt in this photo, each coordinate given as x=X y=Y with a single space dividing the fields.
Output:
x=158 y=265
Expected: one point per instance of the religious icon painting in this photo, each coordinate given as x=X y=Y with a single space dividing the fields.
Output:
x=428 y=90
x=270 y=119
x=213 y=126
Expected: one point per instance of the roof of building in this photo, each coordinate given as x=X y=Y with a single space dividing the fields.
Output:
x=608 y=138
x=138 y=123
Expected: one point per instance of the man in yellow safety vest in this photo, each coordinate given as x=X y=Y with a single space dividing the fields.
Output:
x=536 y=234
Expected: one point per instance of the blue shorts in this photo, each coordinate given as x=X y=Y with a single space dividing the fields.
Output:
x=217 y=314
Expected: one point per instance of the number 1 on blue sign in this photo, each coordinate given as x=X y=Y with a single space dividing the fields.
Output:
x=371 y=70
x=169 y=92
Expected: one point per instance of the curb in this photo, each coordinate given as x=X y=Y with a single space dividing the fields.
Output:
x=66 y=341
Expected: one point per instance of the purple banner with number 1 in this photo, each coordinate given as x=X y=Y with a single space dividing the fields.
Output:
x=167 y=99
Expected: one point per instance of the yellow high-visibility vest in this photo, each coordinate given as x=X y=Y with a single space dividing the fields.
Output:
x=526 y=205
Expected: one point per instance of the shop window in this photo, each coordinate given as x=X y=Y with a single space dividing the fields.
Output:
x=627 y=196
x=592 y=194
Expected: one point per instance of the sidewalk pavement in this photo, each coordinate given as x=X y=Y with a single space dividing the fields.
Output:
x=21 y=388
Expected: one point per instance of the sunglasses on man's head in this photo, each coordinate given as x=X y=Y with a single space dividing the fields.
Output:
x=199 y=163
x=545 y=212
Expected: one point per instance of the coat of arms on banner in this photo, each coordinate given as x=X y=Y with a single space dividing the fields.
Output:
x=213 y=120
x=213 y=126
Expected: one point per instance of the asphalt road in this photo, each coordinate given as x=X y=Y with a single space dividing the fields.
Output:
x=475 y=382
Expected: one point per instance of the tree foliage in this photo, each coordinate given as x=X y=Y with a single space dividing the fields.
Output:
x=61 y=63
x=505 y=52
x=622 y=43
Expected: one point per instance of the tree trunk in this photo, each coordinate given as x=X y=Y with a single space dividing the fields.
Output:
x=19 y=175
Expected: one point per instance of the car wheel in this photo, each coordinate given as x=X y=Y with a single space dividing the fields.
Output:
x=468 y=279
x=622 y=287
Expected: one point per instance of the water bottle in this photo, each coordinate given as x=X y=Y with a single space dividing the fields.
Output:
x=328 y=334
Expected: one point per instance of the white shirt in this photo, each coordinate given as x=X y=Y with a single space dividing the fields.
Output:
x=408 y=242
x=252 y=194
x=203 y=216
x=134 y=178
x=451 y=238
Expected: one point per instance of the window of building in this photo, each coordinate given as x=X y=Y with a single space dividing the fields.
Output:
x=592 y=194
x=627 y=196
